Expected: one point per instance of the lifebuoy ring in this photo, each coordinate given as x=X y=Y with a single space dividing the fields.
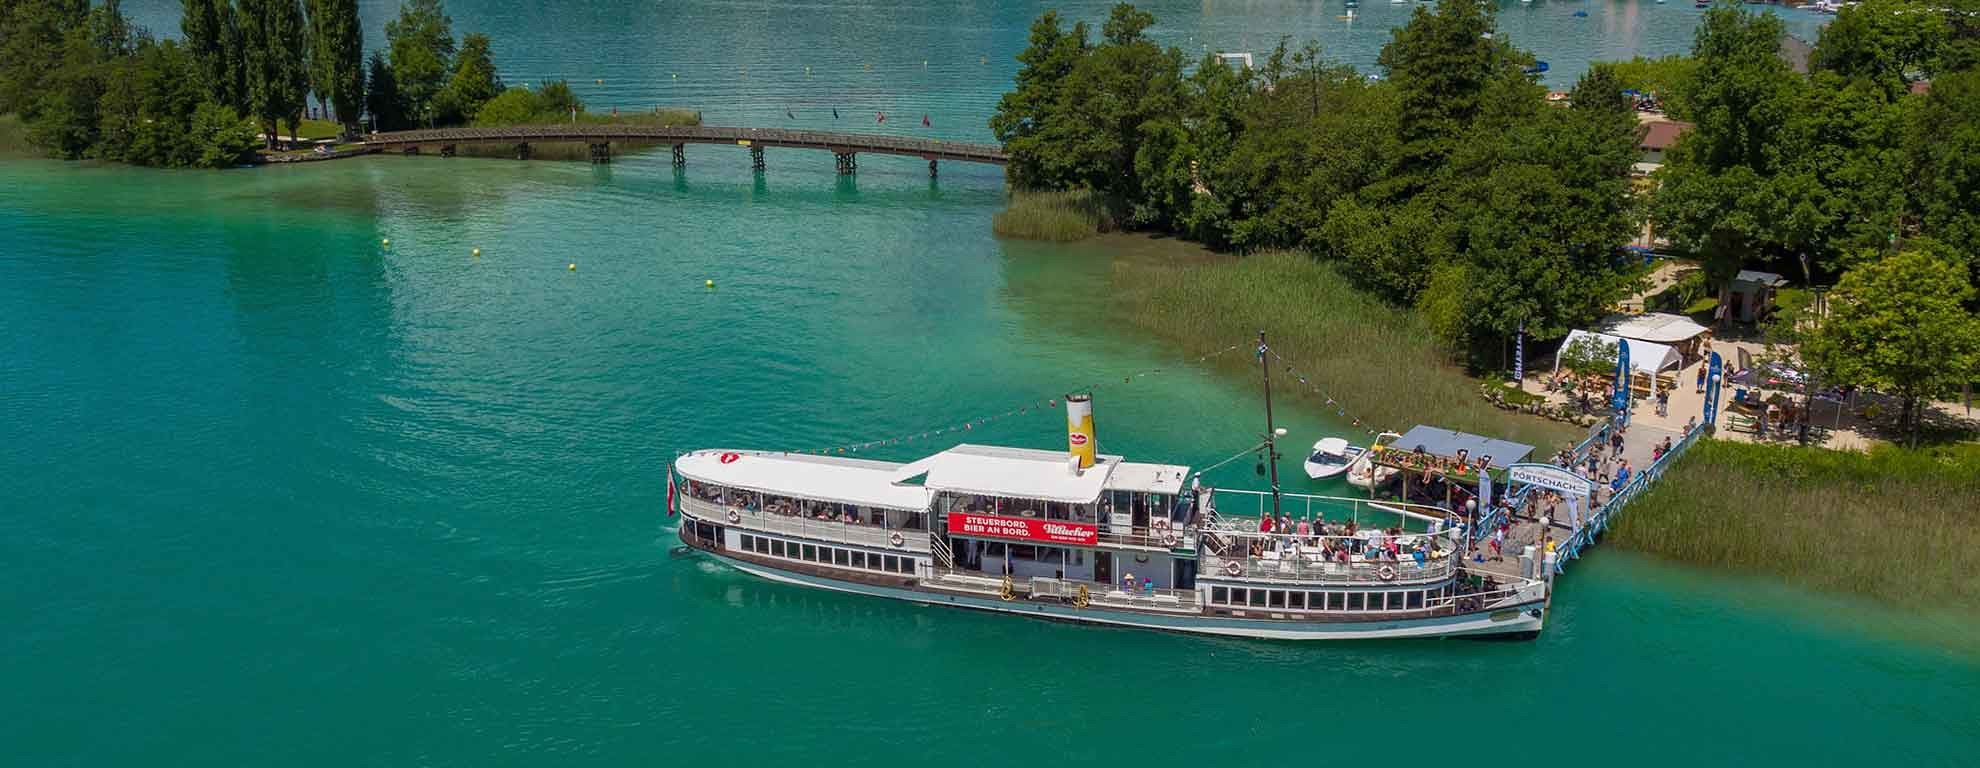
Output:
x=1386 y=572
x=1161 y=524
x=734 y=517
x=895 y=539
x=730 y=458
x=1169 y=541
x=1232 y=568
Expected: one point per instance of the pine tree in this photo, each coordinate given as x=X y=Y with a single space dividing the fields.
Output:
x=203 y=25
x=336 y=57
x=277 y=81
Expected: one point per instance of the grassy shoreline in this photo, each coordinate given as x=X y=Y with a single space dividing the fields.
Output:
x=1900 y=527
x=1380 y=362
x=1059 y=217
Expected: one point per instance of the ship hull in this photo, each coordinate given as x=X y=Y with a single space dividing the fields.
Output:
x=1514 y=620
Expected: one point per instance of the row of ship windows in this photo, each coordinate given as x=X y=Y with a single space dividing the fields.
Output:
x=1241 y=597
x=843 y=558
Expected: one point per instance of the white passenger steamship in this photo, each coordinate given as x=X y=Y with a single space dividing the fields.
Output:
x=1093 y=538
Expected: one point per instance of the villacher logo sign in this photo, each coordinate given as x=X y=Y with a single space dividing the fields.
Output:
x=1052 y=531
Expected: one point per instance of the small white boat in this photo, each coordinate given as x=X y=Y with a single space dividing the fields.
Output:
x=1363 y=472
x=1331 y=456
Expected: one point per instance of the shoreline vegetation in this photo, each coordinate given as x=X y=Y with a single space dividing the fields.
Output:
x=1381 y=360
x=1455 y=185
x=1388 y=227
x=82 y=82
x=14 y=137
x=1893 y=525
x=1058 y=217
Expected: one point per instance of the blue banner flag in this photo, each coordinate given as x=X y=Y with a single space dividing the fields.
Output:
x=1714 y=371
x=1621 y=401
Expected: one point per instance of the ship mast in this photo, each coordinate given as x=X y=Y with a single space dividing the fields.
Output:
x=1271 y=433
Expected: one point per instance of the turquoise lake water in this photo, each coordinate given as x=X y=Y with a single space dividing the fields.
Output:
x=276 y=493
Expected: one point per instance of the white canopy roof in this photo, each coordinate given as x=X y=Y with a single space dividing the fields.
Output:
x=1656 y=327
x=1147 y=478
x=826 y=478
x=1332 y=446
x=1021 y=473
x=1644 y=356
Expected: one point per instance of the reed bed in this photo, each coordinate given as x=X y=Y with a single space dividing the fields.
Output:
x=14 y=137
x=1380 y=362
x=1060 y=217
x=1899 y=526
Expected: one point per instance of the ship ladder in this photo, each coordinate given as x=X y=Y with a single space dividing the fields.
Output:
x=940 y=550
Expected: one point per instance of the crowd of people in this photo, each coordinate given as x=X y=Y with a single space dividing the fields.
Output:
x=1339 y=542
x=751 y=501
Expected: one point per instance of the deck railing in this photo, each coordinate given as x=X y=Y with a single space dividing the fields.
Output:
x=1236 y=504
x=1571 y=547
x=1310 y=570
x=804 y=527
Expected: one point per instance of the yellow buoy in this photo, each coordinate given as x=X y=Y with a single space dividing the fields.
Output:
x=709 y=283
x=573 y=266
x=599 y=81
x=477 y=252
x=386 y=241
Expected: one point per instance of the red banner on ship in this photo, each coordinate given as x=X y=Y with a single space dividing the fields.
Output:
x=1023 y=529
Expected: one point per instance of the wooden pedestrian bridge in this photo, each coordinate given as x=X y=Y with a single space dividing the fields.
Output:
x=845 y=147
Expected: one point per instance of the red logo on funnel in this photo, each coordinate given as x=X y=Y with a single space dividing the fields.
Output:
x=729 y=458
x=1078 y=439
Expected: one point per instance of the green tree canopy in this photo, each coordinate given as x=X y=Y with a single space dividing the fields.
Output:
x=473 y=83
x=336 y=57
x=382 y=99
x=1899 y=324
x=1028 y=116
x=421 y=45
x=274 y=48
x=1441 y=63
x=1942 y=148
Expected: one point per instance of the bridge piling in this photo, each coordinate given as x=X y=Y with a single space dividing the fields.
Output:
x=756 y=158
x=847 y=162
x=680 y=155
x=931 y=167
x=601 y=154
x=522 y=151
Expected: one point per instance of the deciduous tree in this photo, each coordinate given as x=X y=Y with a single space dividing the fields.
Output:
x=1899 y=324
x=421 y=44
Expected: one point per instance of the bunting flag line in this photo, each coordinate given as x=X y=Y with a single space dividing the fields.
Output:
x=1047 y=404
x=1340 y=409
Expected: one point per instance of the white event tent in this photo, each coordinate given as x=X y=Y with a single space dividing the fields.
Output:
x=1644 y=356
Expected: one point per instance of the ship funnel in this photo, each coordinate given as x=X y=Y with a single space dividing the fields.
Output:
x=1079 y=430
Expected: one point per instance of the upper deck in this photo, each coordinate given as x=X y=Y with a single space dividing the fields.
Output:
x=1345 y=541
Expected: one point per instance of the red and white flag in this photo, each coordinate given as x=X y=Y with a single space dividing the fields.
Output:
x=670 y=492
